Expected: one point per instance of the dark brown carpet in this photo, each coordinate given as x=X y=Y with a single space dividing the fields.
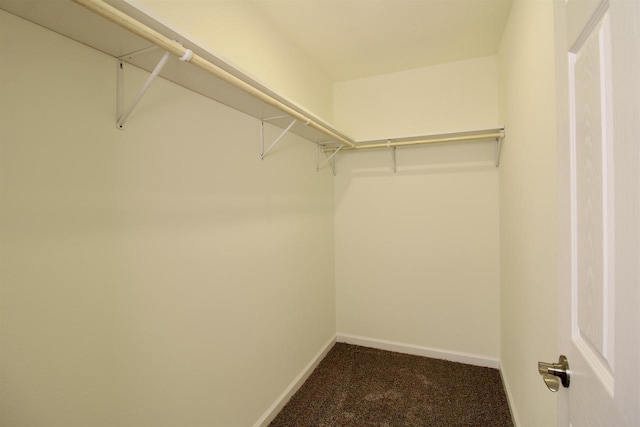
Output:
x=359 y=386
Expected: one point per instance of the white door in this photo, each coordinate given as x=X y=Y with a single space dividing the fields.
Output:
x=598 y=64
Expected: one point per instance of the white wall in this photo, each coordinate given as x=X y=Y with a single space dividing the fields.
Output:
x=528 y=209
x=453 y=97
x=238 y=31
x=417 y=252
x=417 y=257
x=162 y=275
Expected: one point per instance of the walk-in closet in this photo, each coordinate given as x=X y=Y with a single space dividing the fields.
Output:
x=205 y=203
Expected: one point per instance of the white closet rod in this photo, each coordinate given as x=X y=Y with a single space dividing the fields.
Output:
x=125 y=21
x=494 y=135
x=498 y=136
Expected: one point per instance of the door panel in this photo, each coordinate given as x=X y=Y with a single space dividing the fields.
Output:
x=591 y=145
x=598 y=60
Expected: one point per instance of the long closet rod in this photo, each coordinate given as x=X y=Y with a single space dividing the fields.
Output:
x=125 y=21
x=493 y=135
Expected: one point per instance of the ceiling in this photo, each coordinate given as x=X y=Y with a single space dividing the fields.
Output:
x=352 y=39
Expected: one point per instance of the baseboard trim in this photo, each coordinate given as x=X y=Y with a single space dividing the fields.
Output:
x=453 y=356
x=282 y=400
x=512 y=406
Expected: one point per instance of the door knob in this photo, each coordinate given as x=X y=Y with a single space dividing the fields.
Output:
x=555 y=374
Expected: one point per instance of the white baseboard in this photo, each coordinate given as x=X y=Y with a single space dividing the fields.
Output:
x=282 y=400
x=512 y=406
x=453 y=356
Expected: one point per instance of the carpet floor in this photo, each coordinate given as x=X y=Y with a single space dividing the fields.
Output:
x=359 y=386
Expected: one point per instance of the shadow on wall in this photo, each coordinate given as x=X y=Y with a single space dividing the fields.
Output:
x=413 y=161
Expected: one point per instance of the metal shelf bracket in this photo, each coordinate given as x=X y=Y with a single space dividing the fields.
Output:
x=498 y=148
x=264 y=152
x=331 y=159
x=122 y=114
x=392 y=150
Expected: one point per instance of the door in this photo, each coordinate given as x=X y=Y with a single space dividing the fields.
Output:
x=598 y=74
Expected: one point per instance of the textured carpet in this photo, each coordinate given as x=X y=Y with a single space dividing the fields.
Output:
x=359 y=386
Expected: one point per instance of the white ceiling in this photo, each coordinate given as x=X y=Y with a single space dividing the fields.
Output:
x=352 y=39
